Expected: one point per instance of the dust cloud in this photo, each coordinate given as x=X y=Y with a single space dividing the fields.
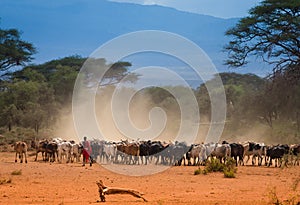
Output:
x=140 y=107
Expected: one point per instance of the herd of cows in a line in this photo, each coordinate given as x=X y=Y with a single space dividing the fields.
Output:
x=156 y=152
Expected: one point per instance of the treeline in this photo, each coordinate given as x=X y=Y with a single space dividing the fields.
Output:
x=35 y=96
x=32 y=97
x=254 y=102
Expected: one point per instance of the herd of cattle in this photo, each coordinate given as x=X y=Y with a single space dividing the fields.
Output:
x=178 y=153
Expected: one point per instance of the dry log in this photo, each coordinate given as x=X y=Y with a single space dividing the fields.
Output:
x=104 y=190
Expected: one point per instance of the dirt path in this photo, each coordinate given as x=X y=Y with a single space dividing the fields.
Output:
x=45 y=183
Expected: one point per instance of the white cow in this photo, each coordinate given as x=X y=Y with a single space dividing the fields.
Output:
x=110 y=150
x=76 y=151
x=64 y=150
x=198 y=154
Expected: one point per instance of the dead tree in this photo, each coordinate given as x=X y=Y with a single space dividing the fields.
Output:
x=104 y=190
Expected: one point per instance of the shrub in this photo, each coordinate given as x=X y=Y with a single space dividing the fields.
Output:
x=197 y=171
x=229 y=173
x=214 y=166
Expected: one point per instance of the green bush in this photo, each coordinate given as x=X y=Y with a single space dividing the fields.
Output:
x=229 y=173
x=197 y=171
x=214 y=165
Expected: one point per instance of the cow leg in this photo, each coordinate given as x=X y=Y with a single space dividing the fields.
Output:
x=36 y=155
x=25 y=157
x=142 y=159
x=270 y=161
x=253 y=159
x=248 y=157
x=21 y=157
x=136 y=160
x=236 y=160
x=259 y=160
x=266 y=160
x=16 y=157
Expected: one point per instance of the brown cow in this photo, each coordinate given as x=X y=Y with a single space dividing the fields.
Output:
x=20 y=148
x=131 y=151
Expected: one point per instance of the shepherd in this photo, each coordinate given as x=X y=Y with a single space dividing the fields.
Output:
x=87 y=151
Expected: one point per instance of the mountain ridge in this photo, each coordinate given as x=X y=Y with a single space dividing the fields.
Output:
x=78 y=28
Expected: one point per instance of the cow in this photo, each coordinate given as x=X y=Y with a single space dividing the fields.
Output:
x=158 y=150
x=20 y=148
x=259 y=151
x=237 y=152
x=51 y=151
x=222 y=152
x=197 y=152
x=178 y=152
x=76 y=151
x=144 y=151
x=40 y=146
x=64 y=150
x=131 y=151
x=110 y=152
x=255 y=150
x=277 y=152
x=295 y=151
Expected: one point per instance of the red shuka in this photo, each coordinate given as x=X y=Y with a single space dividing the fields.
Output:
x=87 y=149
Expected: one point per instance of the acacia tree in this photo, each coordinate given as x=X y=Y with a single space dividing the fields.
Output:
x=272 y=32
x=13 y=50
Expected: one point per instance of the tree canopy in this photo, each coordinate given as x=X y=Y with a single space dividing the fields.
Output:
x=13 y=50
x=271 y=32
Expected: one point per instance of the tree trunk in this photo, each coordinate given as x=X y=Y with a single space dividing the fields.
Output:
x=104 y=190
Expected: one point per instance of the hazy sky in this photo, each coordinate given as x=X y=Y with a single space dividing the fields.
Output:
x=218 y=8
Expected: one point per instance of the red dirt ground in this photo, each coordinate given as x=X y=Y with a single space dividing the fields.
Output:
x=54 y=183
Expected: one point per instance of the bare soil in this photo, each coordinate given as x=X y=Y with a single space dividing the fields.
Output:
x=54 y=183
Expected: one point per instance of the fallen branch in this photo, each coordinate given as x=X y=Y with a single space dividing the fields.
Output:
x=104 y=190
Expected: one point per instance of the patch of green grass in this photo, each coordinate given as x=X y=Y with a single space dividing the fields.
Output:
x=17 y=172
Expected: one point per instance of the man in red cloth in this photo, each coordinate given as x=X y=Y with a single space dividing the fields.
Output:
x=87 y=151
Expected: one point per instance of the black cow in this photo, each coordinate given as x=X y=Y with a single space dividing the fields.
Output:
x=51 y=151
x=144 y=151
x=277 y=152
x=237 y=152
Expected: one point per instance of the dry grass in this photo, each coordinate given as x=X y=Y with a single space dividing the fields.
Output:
x=17 y=172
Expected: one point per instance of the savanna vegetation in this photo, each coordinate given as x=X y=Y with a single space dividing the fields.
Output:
x=32 y=97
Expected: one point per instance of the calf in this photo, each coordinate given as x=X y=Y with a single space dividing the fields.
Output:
x=20 y=148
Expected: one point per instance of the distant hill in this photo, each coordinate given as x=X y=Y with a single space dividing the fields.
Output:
x=62 y=28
